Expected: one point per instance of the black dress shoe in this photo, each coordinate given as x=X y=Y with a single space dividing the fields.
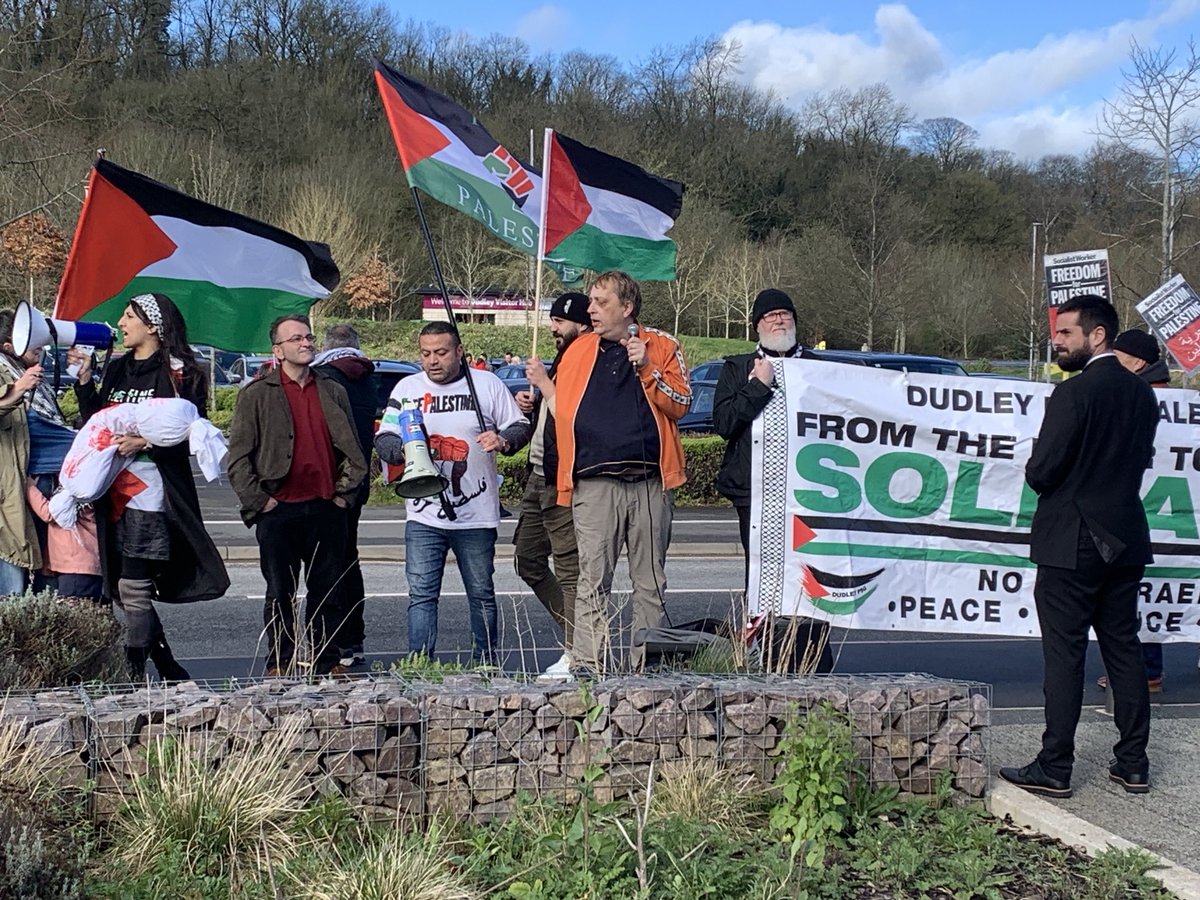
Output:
x=1133 y=782
x=1031 y=778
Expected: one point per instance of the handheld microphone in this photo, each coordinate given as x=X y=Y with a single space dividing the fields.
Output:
x=632 y=331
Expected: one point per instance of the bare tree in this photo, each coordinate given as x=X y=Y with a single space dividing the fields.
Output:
x=863 y=123
x=738 y=277
x=468 y=257
x=696 y=236
x=950 y=142
x=1157 y=112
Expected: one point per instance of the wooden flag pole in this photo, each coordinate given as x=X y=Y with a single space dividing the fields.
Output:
x=541 y=254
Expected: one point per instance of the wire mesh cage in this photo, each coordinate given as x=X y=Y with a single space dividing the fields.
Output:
x=470 y=745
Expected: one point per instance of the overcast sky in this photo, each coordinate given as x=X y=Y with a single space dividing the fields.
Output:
x=1030 y=76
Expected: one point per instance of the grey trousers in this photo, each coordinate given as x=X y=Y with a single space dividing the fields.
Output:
x=611 y=515
x=135 y=596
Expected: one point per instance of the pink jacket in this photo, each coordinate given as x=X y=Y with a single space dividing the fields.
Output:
x=67 y=553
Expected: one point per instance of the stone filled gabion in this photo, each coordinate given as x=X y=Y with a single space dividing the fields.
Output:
x=468 y=746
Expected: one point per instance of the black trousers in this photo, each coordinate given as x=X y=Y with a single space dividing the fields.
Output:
x=785 y=638
x=311 y=534
x=351 y=630
x=1103 y=597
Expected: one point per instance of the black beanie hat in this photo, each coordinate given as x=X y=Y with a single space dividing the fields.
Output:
x=768 y=301
x=1139 y=344
x=571 y=306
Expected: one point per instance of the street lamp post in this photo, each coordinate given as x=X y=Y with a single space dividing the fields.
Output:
x=1033 y=292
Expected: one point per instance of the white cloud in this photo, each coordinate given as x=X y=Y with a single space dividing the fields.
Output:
x=1042 y=130
x=1013 y=96
x=546 y=28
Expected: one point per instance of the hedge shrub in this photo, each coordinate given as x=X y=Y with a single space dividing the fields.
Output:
x=703 y=456
x=47 y=641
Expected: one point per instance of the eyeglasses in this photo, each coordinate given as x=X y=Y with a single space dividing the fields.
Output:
x=298 y=339
x=779 y=315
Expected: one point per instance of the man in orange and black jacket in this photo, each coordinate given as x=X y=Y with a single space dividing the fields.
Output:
x=619 y=393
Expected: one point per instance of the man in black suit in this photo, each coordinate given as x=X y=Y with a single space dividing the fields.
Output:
x=1091 y=543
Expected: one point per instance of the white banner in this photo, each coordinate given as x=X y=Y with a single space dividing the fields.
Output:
x=897 y=501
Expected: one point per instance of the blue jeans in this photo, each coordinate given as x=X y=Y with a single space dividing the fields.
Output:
x=425 y=550
x=12 y=579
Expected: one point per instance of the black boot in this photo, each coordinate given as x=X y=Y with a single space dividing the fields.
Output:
x=168 y=667
x=135 y=657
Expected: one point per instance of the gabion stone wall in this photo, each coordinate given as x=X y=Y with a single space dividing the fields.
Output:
x=470 y=744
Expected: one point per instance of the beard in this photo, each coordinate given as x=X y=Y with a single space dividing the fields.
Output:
x=1075 y=360
x=562 y=341
x=779 y=343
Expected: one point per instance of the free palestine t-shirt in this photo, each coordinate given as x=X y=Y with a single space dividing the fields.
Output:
x=452 y=426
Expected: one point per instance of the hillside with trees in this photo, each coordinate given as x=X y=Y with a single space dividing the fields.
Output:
x=889 y=231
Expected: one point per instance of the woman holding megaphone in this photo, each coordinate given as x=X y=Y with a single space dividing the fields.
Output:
x=153 y=544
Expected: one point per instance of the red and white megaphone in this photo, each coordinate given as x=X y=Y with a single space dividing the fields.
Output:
x=33 y=331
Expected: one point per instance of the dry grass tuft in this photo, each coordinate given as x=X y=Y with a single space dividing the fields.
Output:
x=393 y=865
x=701 y=790
x=235 y=819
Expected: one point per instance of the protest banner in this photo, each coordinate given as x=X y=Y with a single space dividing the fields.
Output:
x=897 y=501
x=1173 y=314
x=1071 y=274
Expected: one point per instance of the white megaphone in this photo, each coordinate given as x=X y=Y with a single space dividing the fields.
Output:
x=421 y=478
x=33 y=331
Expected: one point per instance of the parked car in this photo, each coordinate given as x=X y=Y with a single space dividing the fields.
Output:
x=900 y=362
x=699 y=417
x=388 y=372
x=706 y=371
x=245 y=368
x=225 y=358
x=514 y=377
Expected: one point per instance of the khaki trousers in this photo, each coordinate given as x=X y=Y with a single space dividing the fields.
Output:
x=546 y=530
x=611 y=515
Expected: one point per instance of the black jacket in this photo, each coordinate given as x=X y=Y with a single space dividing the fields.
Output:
x=736 y=404
x=196 y=571
x=1096 y=440
x=353 y=373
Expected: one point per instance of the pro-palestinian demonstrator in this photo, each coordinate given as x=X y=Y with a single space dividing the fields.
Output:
x=545 y=529
x=147 y=551
x=1091 y=542
x=343 y=361
x=744 y=388
x=296 y=466
x=619 y=393
x=465 y=456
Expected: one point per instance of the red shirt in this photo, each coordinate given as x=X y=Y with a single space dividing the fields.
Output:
x=311 y=474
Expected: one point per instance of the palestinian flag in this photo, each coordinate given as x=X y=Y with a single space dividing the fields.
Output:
x=450 y=156
x=230 y=275
x=605 y=213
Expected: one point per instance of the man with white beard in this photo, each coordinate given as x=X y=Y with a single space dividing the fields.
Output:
x=745 y=387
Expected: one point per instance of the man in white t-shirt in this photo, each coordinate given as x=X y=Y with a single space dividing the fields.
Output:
x=466 y=517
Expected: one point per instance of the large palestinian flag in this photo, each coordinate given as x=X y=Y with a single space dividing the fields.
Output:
x=450 y=156
x=230 y=275
x=603 y=212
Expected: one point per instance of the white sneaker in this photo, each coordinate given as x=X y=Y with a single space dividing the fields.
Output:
x=558 y=671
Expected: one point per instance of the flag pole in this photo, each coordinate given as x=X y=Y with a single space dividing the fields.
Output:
x=541 y=251
x=441 y=284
